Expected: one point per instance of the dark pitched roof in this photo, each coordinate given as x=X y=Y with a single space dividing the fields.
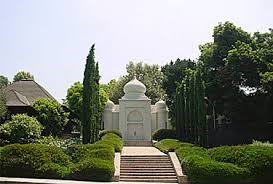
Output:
x=24 y=93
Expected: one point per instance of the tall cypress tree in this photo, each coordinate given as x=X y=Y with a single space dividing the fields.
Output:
x=87 y=115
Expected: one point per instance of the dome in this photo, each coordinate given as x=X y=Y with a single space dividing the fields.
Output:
x=134 y=90
x=160 y=105
x=109 y=105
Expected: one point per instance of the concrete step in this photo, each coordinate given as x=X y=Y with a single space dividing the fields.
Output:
x=148 y=174
x=146 y=161
x=146 y=170
x=149 y=180
x=147 y=165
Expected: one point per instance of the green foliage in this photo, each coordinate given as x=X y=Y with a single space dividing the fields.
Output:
x=90 y=113
x=29 y=160
x=93 y=169
x=149 y=75
x=234 y=65
x=74 y=97
x=23 y=75
x=174 y=73
x=83 y=151
x=51 y=114
x=164 y=134
x=259 y=143
x=204 y=170
x=258 y=159
x=104 y=132
x=168 y=145
x=112 y=140
x=63 y=143
x=53 y=170
x=190 y=115
x=4 y=81
x=20 y=129
x=3 y=107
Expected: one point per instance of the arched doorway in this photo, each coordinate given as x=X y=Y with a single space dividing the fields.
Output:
x=135 y=130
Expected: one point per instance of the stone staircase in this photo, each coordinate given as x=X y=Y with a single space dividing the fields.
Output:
x=147 y=168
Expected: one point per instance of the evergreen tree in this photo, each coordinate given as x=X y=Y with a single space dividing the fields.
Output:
x=88 y=98
x=190 y=117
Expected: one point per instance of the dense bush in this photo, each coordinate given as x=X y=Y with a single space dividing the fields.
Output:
x=206 y=170
x=82 y=151
x=51 y=114
x=104 y=132
x=258 y=159
x=93 y=169
x=81 y=162
x=33 y=160
x=167 y=145
x=164 y=134
x=20 y=129
x=112 y=140
x=59 y=142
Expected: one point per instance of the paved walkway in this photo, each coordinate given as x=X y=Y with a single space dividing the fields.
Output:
x=132 y=150
x=8 y=180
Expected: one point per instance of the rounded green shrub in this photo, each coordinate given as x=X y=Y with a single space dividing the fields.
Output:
x=104 y=132
x=93 y=169
x=26 y=160
x=164 y=134
x=82 y=151
x=112 y=140
x=206 y=170
x=53 y=170
x=167 y=145
x=258 y=159
x=185 y=151
x=51 y=114
x=21 y=129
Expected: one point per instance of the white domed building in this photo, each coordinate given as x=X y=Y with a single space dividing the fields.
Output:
x=135 y=117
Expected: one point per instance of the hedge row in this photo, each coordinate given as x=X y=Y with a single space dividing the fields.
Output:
x=93 y=162
x=226 y=164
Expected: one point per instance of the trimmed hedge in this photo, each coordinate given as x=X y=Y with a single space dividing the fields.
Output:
x=258 y=159
x=206 y=170
x=93 y=169
x=29 y=160
x=226 y=164
x=112 y=140
x=104 y=132
x=79 y=152
x=170 y=145
x=164 y=134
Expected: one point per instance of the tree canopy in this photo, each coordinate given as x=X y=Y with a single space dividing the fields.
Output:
x=22 y=75
x=3 y=81
x=150 y=75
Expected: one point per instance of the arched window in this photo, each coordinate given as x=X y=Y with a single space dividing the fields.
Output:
x=135 y=116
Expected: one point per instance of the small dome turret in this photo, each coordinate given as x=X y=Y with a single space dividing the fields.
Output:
x=109 y=105
x=160 y=105
x=134 y=90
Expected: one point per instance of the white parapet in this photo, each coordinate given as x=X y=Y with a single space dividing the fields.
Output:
x=117 y=167
x=183 y=179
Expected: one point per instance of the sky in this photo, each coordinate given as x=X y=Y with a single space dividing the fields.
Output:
x=51 y=38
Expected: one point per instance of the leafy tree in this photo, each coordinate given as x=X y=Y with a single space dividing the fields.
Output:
x=74 y=98
x=174 y=73
x=22 y=75
x=149 y=75
x=51 y=114
x=234 y=64
x=3 y=81
x=3 y=108
x=21 y=129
